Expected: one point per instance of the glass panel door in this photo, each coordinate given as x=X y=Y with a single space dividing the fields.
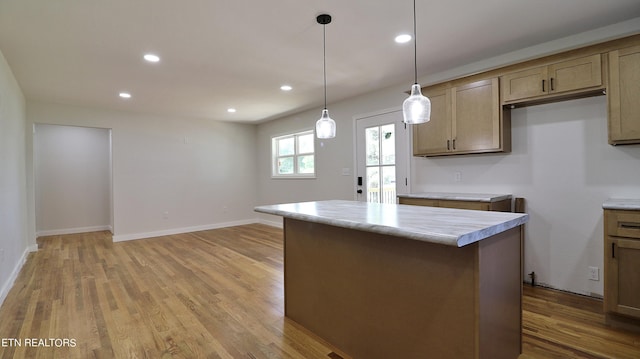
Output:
x=378 y=141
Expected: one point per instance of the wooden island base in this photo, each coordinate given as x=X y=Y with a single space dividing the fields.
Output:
x=381 y=296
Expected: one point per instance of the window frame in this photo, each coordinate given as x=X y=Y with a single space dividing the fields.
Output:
x=275 y=156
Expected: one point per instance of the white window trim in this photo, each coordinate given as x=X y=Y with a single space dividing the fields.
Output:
x=274 y=157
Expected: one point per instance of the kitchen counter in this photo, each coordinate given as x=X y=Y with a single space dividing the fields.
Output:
x=452 y=227
x=622 y=204
x=382 y=281
x=452 y=196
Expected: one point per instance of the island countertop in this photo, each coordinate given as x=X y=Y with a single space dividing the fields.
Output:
x=454 y=196
x=453 y=227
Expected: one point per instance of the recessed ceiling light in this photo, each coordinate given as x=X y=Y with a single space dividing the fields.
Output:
x=151 y=57
x=286 y=88
x=231 y=110
x=403 y=39
x=125 y=95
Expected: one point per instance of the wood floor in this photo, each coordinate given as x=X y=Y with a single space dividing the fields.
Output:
x=217 y=294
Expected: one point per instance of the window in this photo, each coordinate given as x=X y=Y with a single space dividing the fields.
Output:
x=293 y=155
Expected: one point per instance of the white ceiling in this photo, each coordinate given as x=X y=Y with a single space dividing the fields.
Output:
x=233 y=53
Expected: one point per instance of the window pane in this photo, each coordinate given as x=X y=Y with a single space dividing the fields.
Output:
x=305 y=164
x=286 y=146
x=388 y=144
x=372 y=143
x=388 y=184
x=373 y=184
x=285 y=165
x=305 y=143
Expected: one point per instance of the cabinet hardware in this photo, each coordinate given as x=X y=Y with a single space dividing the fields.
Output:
x=542 y=85
x=448 y=147
x=613 y=250
x=551 y=84
x=627 y=225
x=454 y=143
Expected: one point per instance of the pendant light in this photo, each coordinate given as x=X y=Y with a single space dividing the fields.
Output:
x=417 y=108
x=325 y=126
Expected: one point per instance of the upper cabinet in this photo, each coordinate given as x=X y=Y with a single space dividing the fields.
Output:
x=472 y=114
x=624 y=96
x=432 y=137
x=553 y=79
x=466 y=118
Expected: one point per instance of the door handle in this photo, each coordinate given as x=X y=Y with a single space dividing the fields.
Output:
x=359 y=191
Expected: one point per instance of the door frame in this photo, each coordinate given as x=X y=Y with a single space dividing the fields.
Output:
x=355 y=146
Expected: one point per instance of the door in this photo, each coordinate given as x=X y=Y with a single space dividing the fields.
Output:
x=576 y=74
x=432 y=137
x=382 y=156
x=524 y=84
x=476 y=116
x=624 y=95
x=624 y=277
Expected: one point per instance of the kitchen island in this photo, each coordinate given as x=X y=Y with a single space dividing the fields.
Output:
x=401 y=281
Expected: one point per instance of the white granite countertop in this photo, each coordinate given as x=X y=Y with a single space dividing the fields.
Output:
x=453 y=227
x=478 y=197
x=623 y=204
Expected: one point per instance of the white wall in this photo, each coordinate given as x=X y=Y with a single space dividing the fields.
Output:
x=170 y=175
x=561 y=163
x=72 y=179
x=13 y=193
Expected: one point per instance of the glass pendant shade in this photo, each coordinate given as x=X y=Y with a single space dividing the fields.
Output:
x=325 y=126
x=417 y=108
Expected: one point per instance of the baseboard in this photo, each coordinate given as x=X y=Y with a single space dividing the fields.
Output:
x=270 y=223
x=57 y=232
x=6 y=287
x=168 y=232
x=549 y=286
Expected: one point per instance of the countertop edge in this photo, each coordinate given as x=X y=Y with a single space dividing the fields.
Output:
x=476 y=197
x=622 y=204
x=436 y=238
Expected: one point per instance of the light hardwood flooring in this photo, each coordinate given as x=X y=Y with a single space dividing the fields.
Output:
x=218 y=294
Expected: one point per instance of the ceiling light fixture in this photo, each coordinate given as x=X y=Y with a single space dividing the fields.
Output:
x=231 y=110
x=403 y=39
x=416 y=108
x=124 y=95
x=325 y=126
x=151 y=58
x=286 y=88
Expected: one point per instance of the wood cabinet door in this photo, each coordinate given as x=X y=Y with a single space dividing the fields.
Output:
x=575 y=74
x=624 y=95
x=478 y=206
x=524 y=84
x=476 y=117
x=432 y=137
x=622 y=288
x=419 y=201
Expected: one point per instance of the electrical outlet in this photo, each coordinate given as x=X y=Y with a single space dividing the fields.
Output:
x=457 y=177
x=165 y=214
x=594 y=273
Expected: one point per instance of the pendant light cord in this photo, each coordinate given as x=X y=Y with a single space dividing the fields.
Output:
x=415 y=44
x=324 y=61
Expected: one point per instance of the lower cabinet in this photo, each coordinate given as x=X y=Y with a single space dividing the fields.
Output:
x=499 y=206
x=622 y=262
